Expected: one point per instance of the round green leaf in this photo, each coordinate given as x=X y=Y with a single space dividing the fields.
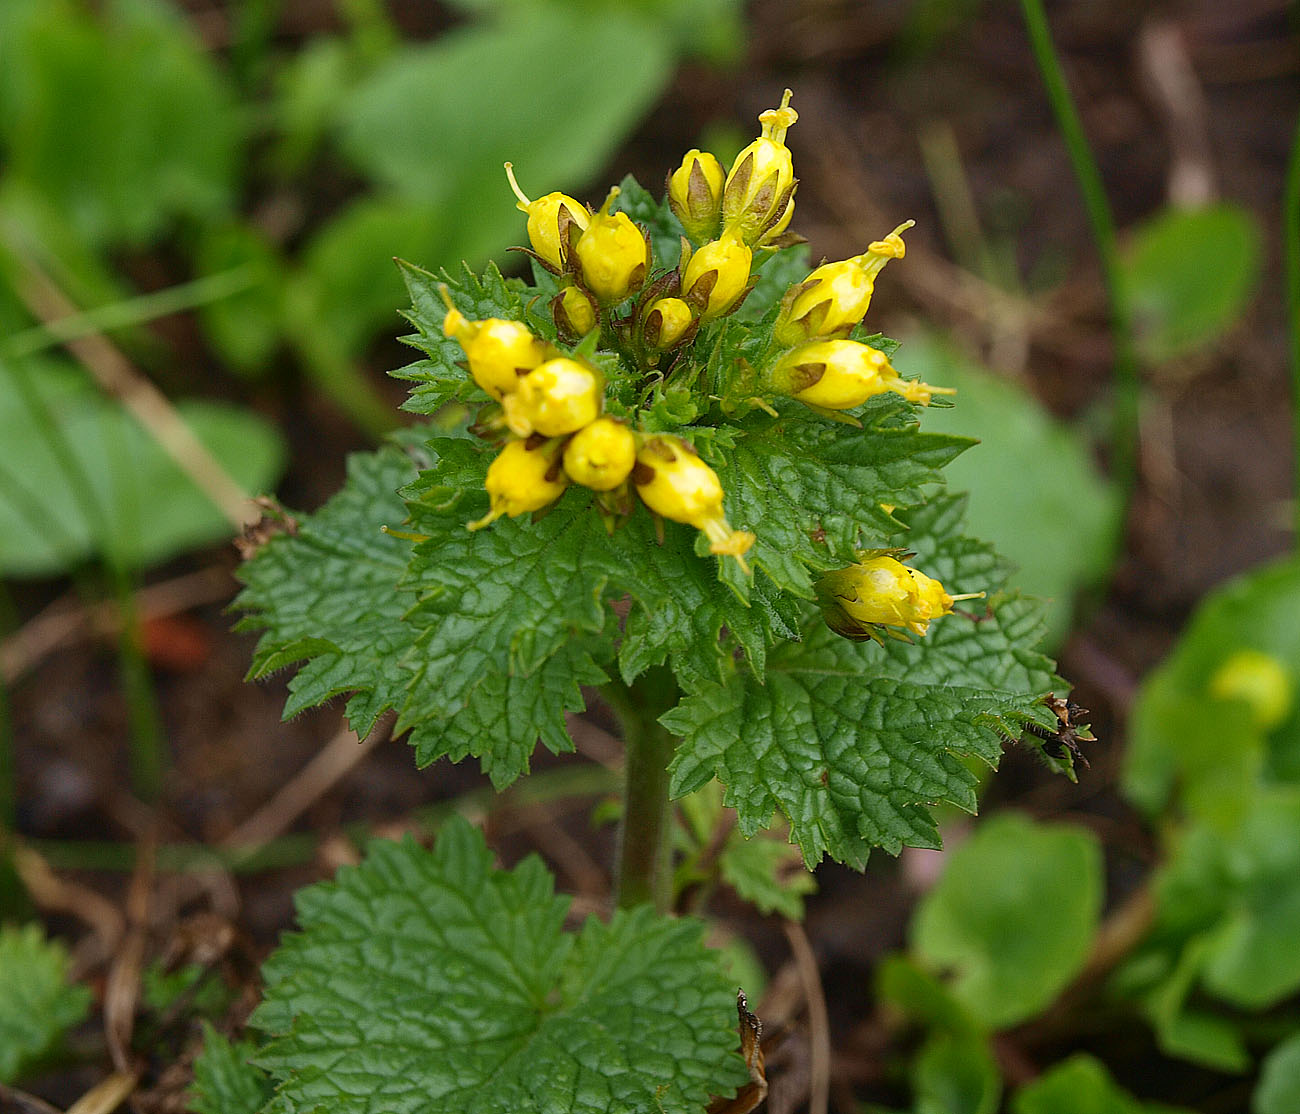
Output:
x=1278 y=1091
x=1013 y=916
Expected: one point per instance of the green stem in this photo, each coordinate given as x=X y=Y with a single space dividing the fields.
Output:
x=148 y=746
x=644 y=860
x=1124 y=424
x=1291 y=262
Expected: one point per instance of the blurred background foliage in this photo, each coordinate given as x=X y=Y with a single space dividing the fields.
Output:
x=209 y=209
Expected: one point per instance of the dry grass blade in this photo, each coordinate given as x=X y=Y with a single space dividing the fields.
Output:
x=53 y=894
x=122 y=990
x=106 y=1095
x=819 y=1029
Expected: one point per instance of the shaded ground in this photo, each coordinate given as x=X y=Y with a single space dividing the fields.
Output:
x=1212 y=500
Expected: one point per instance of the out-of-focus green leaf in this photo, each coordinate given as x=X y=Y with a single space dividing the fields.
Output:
x=37 y=1004
x=310 y=87
x=151 y=510
x=1216 y=719
x=225 y=1082
x=245 y=328
x=121 y=121
x=768 y=873
x=1188 y=274
x=1080 y=1085
x=1035 y=492
x=1013 y=916
x=921 y=995
x=437 y=121
x=1278 y=1091
x=955 y=1073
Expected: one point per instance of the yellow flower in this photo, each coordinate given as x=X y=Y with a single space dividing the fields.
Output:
x=555 y=398
x=1258 y=680
x=574 y=314
x=842 y=374
x=520 y=480
x=613 y=255
x=675 y=483
x=695 y=194
x=600 y=456
x=882 y=592
x=498 y=351
x=834 y=298
x=550 y=220
x=717 y=276
x=667 y=322
x=760 y=187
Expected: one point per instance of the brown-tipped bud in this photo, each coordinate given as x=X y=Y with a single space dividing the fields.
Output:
x=695 y=194
x=574 y=314
x=717 y=276
x=667 y=322
x=758 y=198
x=552 y=220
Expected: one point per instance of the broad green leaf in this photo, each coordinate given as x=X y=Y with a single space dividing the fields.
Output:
x=225 y=1079
x=37 y=1005
x=149 y=508
x=1278 y=1091
x=1188 y=275
x=430 y=982
x=844 y=743
x=768 y=873
x=438 y=120
x=1013 y=916
x=1035 y=492
x=1079 y=1085
x=955 y=1073
x=809 y=488
x=921 y=996
x=122 y=121
x=1198 y=739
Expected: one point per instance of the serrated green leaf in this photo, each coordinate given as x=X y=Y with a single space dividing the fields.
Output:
x=37 y=1005
x=329 y=594
x=1188 y=275
x=1278 y=1091
x=768 y=873
x=427 y=981
x=225 y=1079
x=850 y=754
x=1013 y=916
x=808 y=488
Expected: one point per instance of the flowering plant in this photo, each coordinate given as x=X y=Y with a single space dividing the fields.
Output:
x=674 y=467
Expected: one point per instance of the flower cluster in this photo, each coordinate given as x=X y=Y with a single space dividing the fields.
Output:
x=614 y=301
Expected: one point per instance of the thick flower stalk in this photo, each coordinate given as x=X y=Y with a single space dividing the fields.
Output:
x=866 y=600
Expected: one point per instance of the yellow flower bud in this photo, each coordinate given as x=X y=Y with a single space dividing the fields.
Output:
x=550 y=220
x=667 y=321
x=695 y=194
x=522 y=480
x=600 y=456
x=882 y=592
x=613 y=255
x=498 y=351
x=760 y=187
x=675 y=483
x=573 y=311
x=842 y=374
x=554 y=399
x=1258 y=680
x=717 y=276
x=834 y=298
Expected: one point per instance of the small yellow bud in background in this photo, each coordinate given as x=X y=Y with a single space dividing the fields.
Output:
x=549 y=221
x=520 y=480
x=554 y=399
x=695 y=194
x=612 y=257
x=717 y=276
x=882 y=591
x=760 y=188
x=601 y=455
x=842 y=374
x=498 y=351
x=574 y=314
x=675 y=483
x=667 y=322
x=1258 y=680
